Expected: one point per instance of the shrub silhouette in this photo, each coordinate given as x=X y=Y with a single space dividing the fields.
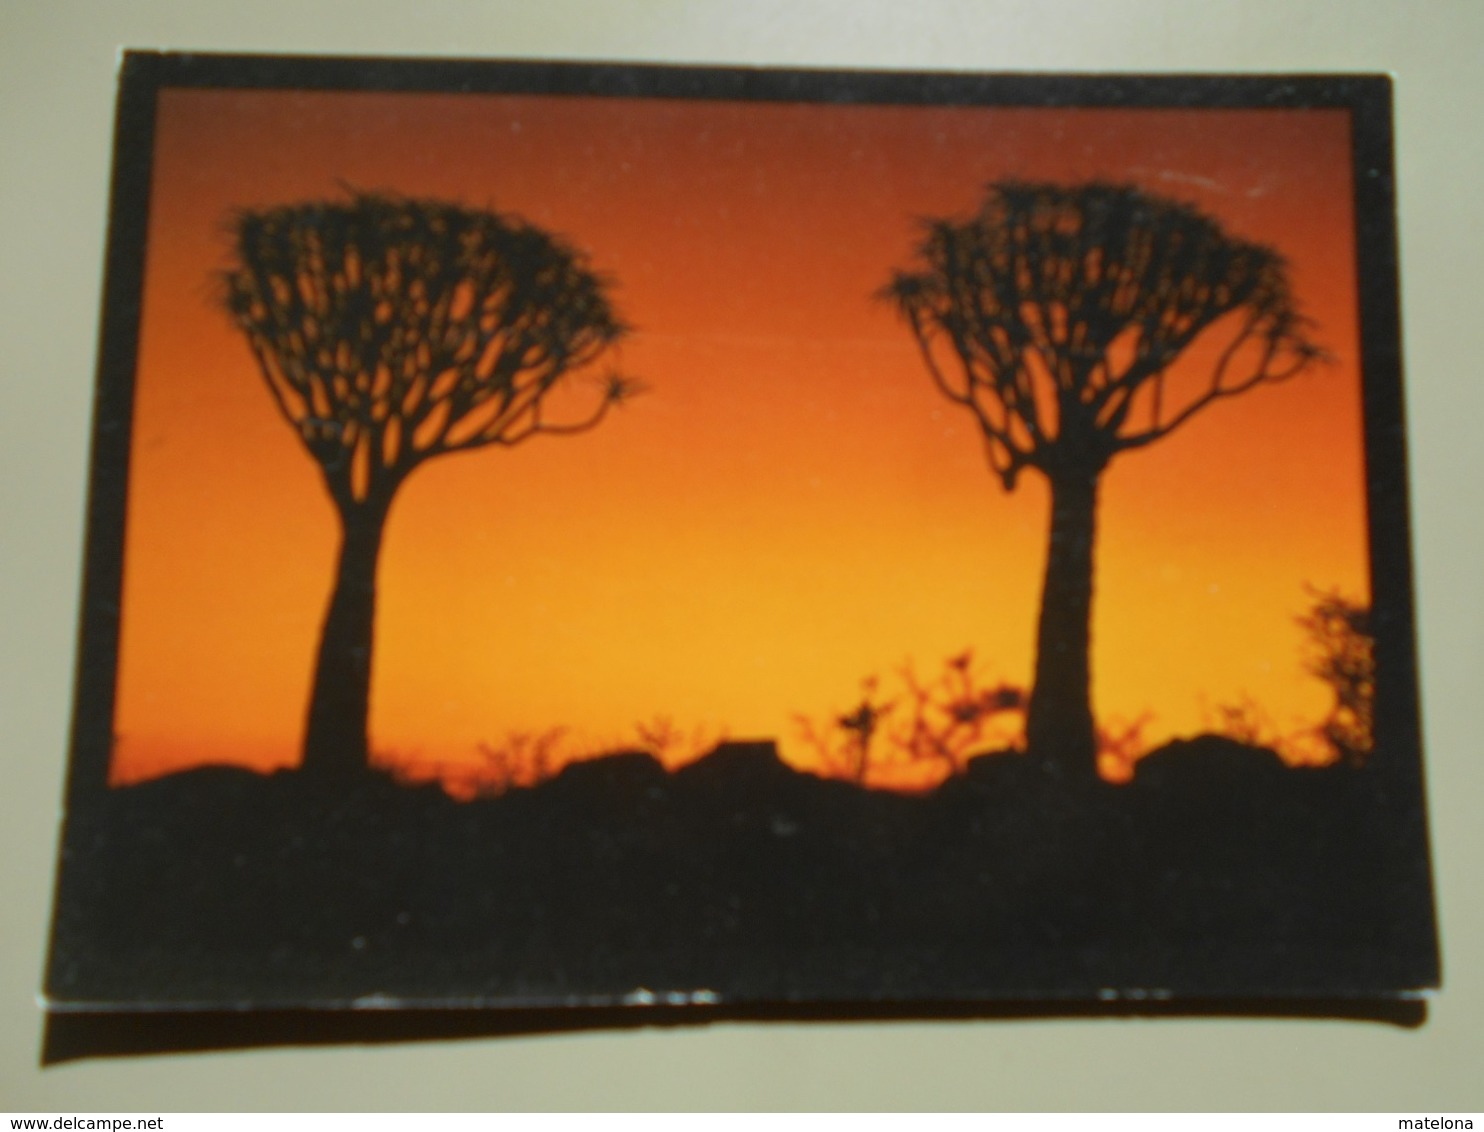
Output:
x=1245 y=721
x=1120 y=745
x=846 y=746
x=525 y=758
x=944 y=721
x=390 y=331
x=673 y=745
x=952 y=716
x=1342 y=653
x=1057 y=316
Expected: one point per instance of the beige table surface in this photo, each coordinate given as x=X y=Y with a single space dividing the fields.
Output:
x=57 y=62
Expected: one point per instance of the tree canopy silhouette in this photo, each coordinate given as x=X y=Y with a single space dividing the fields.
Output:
x=390 y=331
x=1056 y=316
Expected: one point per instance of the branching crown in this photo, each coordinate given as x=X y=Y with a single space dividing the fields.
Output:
x=1056 y=306
x=391 y=330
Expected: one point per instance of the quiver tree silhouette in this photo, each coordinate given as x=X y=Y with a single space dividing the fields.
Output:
x=390 y=331
x=1056 y=317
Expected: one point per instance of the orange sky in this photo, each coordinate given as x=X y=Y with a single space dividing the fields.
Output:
x=789 y=509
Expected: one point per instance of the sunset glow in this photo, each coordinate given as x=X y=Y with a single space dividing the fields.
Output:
x=789 y=509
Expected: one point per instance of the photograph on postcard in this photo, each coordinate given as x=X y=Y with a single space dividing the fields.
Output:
x=596 y=535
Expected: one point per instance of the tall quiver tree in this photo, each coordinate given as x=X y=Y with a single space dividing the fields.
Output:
x=390 y=331
x=1056 y=316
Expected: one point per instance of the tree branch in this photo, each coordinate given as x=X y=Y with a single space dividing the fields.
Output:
x=1039 y=292
x=1216 y=392
x=993 y=433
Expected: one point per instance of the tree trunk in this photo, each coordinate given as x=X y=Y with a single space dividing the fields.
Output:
x=335 y=736
x=1059 y=724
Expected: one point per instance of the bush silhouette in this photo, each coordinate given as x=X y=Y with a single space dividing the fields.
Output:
x=942 y=721
x=1342 y=653
x=390 y=331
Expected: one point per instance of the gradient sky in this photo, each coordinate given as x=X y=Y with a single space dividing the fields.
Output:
x=789 y=509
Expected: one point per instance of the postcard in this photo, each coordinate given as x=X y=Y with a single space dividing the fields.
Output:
x=571 y=534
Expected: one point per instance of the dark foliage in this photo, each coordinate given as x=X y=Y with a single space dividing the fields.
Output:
x=940 y=721
x=1057 y=316
x=392 y=330
x=1342 y=653
x=737 y=879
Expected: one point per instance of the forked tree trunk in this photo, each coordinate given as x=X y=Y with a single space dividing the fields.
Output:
x=1059 y=724
x=335 y=735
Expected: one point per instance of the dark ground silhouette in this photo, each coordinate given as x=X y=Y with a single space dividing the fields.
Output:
x=1218 y=872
